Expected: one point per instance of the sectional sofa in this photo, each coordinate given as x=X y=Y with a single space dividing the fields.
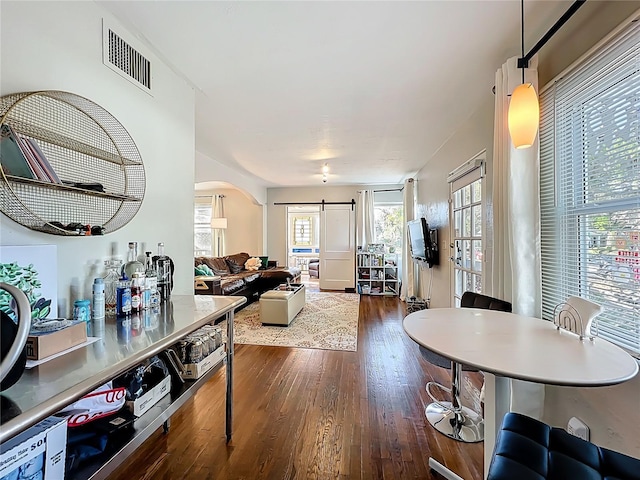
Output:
x=235 y=279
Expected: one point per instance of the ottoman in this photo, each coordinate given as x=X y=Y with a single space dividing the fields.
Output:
x=281 y=305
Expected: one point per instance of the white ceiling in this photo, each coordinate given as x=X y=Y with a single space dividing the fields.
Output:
x=371 y=88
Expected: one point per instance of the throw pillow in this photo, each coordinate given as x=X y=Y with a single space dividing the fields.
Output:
x=204 y=270
x=218 y=265
x=236 y=261
x=253 y=264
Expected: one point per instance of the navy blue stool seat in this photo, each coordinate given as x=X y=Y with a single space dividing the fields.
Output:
x=527 y=449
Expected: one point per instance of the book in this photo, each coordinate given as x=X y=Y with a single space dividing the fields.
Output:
x=31 y=159
x=12 y=158
x=42 y=159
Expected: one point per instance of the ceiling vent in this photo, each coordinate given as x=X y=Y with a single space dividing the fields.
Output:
x=125 y=60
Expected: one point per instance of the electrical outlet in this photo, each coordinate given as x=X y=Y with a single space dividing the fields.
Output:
x=578 y=428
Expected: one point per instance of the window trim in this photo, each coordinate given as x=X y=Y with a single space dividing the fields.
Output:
x=202 y=226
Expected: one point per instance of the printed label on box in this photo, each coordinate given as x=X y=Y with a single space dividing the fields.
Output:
x=38 y=452
x=149 y=399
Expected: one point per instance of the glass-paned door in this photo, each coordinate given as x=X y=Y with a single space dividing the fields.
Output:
x=467 y=234
x=303 y=235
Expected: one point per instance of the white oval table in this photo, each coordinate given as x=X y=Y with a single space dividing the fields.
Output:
x=509 y=346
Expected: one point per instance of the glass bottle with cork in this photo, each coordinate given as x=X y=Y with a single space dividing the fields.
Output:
x=132 y=265
x=111 y=280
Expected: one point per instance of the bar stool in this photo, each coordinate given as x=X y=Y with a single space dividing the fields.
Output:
x=451 y=418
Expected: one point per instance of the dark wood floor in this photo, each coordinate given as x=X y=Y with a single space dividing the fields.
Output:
x=314 y=414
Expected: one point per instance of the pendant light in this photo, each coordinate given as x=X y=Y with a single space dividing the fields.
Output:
x=524 y=109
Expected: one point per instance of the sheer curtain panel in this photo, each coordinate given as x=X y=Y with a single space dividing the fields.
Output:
x=365 y=220
x=218 y=236
x=409 y=287
x=516 y=210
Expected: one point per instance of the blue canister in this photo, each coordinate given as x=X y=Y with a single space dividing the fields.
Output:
x=81 y=310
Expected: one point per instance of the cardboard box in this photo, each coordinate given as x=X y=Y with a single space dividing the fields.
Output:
x=193 y=371
x=44 y=345
x=38 y=452
x=142 y=404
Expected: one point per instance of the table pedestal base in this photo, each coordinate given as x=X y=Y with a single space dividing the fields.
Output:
x=468 y=427
x=452 y=418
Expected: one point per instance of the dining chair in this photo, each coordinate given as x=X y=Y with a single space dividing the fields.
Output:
x=451 y=418
x=528 y=449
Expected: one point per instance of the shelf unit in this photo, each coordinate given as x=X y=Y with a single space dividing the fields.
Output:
x=377 y=274
x=46 y=389
x=105 y=464
x=99 y=166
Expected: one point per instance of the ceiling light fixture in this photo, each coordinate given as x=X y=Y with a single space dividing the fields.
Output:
x=325 y=172
x=524 y=109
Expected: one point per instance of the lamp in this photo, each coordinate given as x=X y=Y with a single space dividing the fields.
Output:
x=524 y=115
x=219 y=223
x=524 y=109
x=325 y=172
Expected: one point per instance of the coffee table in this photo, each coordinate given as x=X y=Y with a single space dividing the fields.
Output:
x=280 y=305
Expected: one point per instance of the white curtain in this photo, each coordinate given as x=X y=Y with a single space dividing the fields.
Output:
x=516 y=212
x=217 y=234
x=409 y=288
x=365 y=220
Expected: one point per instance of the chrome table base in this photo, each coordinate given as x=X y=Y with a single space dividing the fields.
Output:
x=452 y=418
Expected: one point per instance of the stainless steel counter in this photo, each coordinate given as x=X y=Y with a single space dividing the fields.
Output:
x=53 y=385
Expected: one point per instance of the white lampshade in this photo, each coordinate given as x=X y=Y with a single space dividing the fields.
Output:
x=219 y=222
x=524 y=115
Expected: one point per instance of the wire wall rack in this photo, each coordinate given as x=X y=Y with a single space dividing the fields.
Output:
x=68 y=166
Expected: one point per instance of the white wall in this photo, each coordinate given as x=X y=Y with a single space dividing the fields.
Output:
x=244 y=231
x=58 y=45
x=277 y=214
x=210 y=170
x=475 y=135
x=613 y=413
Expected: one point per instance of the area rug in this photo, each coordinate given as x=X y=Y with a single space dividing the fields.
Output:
x=328 y=321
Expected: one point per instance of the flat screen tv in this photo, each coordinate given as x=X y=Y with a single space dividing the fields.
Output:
x=423 y=241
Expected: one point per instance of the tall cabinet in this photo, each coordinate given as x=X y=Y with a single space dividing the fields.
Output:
x=377 y=274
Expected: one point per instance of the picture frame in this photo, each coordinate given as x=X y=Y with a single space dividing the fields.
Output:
x=33 y=269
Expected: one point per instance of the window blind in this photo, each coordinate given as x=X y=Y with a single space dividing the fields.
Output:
x=590 y=187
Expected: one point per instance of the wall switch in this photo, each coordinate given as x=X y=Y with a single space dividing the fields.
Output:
x=578 y=428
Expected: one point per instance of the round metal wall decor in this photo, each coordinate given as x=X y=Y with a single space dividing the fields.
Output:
x=68 y=166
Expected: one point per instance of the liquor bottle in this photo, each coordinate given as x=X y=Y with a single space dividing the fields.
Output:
x=132 y=265
x=151 y=280
x=145 y=296
x=136 y=293
x=111 y=280
x=123 y=297
x=163 y=270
